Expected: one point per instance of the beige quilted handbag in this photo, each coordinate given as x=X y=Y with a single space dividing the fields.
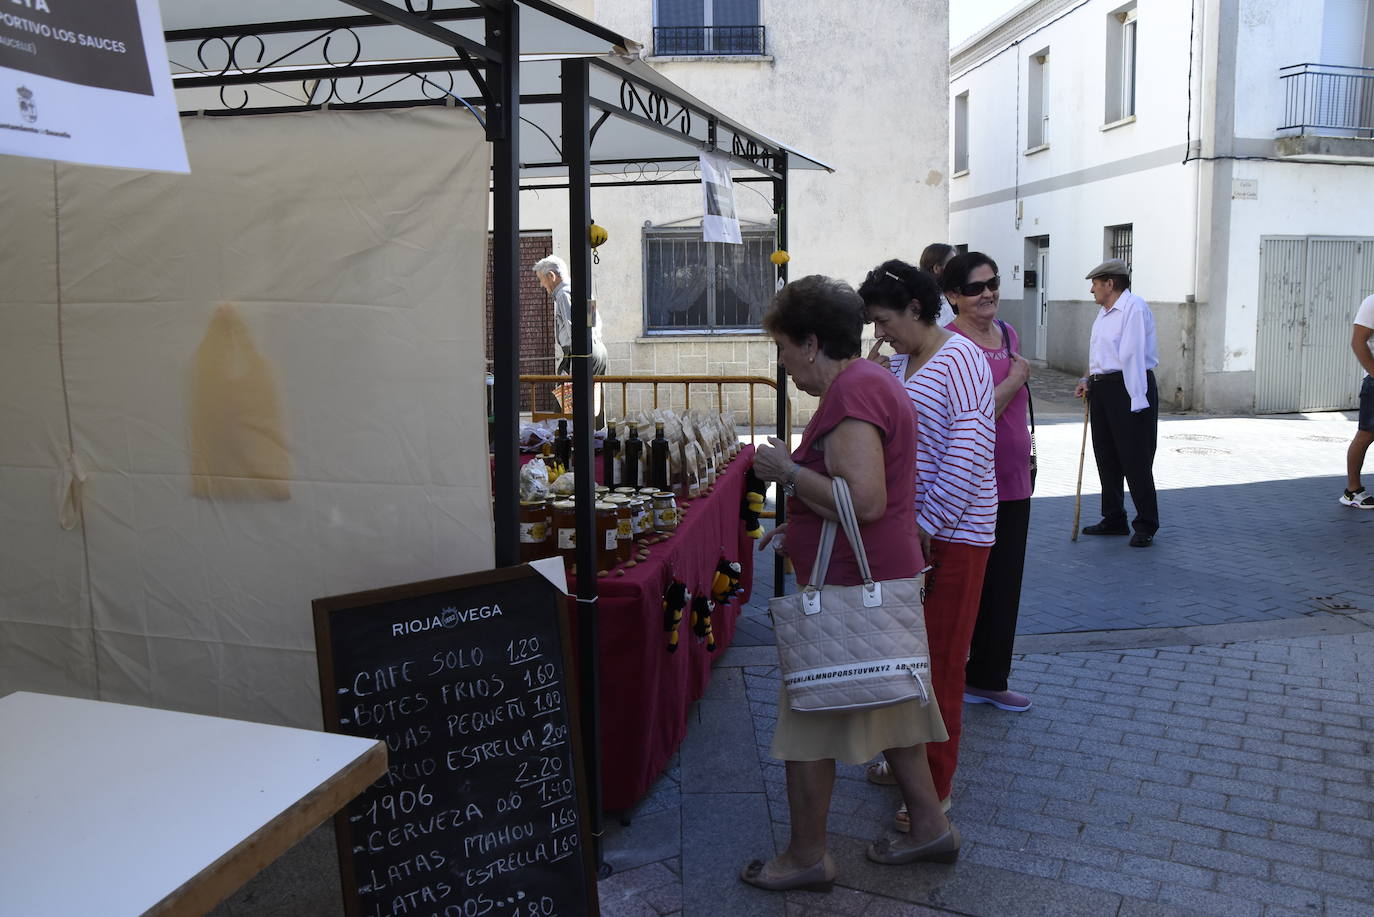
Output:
x=852 y=647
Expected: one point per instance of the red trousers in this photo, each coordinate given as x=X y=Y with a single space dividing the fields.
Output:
x=953 y=591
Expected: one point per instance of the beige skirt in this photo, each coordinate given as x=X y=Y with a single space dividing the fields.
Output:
x=854 y=736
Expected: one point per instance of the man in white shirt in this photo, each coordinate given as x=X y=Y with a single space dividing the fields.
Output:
x=1362 y=342
x=1124 y=403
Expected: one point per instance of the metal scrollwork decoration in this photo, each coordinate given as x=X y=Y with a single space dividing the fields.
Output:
x=750 y=150
x=339 y=48
x=429 y=7
x=655 y=107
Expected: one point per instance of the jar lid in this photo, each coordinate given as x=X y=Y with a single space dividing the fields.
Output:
x=565 y=504
x=602 y=506
x=664 y=493
x=533 y=502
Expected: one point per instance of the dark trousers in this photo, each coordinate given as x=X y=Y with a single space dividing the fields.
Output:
x=989 y=654
x=1124 y=446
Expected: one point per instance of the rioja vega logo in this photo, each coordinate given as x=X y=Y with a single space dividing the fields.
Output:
x=28 y=108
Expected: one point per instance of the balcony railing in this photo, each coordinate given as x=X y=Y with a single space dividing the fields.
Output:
x=672 y=41
x=1329 y=100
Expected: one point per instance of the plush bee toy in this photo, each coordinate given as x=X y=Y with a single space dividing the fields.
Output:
x=674 y=601
x=725 y=585
x=752 y=505
x=701 y=621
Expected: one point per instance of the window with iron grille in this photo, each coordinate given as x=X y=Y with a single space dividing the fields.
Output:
x=1120 y=242
x=691 y=285
x=711 y=27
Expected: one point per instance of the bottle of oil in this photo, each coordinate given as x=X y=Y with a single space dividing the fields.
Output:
x=610 y=458
x=658 y=458
x=633 y=448
x=562 y=446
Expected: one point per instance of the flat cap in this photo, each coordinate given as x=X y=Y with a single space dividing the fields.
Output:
x=1109 y=267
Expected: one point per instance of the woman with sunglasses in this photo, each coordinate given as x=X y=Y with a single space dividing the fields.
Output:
x=971 y=284
x=950 y=387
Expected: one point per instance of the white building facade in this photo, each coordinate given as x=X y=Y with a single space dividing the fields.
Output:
x=842 y=88
x=1221 y=147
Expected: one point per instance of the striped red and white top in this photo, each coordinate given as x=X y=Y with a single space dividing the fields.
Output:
x=956 y=484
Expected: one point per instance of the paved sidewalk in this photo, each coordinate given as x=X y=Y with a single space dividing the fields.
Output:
x=1200 y=740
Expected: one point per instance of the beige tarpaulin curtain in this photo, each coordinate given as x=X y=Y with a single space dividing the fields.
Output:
x=294 y=332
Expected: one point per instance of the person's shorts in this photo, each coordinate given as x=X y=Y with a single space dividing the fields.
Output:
x=1367 y=405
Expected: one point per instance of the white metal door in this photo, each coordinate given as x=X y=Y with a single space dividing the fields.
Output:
x=1309 y=290
x=1042 y=303
x=1330 y=373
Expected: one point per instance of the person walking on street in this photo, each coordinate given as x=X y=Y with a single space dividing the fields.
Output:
x=1362 y=342
x=1124 y=403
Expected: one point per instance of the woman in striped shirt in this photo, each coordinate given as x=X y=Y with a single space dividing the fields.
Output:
x=950 y=386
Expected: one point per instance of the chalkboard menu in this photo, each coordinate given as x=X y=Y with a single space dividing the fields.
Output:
x=483 y=808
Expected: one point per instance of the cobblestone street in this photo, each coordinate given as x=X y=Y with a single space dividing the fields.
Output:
x=1200 y=736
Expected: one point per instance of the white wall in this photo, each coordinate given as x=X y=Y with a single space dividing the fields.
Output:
x=1271 y=34
x=834 y=86
x=1088 y=178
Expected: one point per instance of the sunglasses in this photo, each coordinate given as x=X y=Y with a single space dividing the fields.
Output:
x=976 y=288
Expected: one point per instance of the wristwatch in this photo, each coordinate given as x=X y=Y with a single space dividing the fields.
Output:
x=789 y=483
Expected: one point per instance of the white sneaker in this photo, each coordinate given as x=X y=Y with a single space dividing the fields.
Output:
x=1360 y=499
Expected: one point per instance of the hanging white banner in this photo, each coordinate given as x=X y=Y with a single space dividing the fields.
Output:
x=718 y=222
x=87 y=81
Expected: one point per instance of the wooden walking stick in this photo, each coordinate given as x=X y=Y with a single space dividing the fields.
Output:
x=1078 y=490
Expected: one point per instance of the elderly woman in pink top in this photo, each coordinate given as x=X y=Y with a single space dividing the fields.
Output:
x=950 y=386
x=863 y=431
x=970 y=281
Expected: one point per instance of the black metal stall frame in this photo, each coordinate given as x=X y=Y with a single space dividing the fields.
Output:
x=474 y=54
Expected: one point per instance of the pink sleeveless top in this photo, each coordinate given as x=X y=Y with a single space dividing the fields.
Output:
x=867 y=392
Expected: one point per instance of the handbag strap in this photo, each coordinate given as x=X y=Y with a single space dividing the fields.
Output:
x=1030 y=401
x=823 y=550
x=844 y=508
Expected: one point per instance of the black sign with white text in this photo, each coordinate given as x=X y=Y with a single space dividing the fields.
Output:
x=482 y=811
x=89 y=42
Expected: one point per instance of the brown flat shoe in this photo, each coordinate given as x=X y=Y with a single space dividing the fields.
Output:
x=943 y=849
x=818 y=877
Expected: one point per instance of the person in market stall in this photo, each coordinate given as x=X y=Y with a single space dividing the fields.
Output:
x=863 y=431
x=553 y=276
x=949 y=385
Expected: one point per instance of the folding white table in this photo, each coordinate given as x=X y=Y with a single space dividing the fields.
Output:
x=117 y=810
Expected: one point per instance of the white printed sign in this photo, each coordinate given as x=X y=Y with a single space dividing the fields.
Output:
x=718 y=222
x=87 y=81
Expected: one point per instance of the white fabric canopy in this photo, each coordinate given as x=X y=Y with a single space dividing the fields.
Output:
x=344 y=377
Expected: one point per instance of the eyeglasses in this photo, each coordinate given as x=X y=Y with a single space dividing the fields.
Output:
x=977 y=287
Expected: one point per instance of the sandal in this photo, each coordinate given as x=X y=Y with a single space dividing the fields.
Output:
x=943 y=849
x=902 y=820
x=880 y=772
x=818 y=877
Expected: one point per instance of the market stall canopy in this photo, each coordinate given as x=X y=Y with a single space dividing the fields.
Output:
x=387 y=56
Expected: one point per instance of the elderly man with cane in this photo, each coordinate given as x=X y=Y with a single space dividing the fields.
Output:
x=1123 y=402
